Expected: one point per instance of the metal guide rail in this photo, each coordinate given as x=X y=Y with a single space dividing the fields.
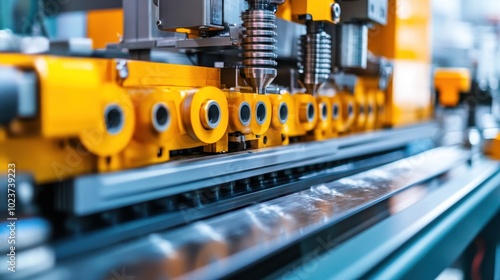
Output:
x=93 y=193
x=118 y=206
x=122 y=207
x=234 y=244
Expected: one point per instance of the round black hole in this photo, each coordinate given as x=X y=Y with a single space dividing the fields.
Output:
x=245 y=113
x=310 y=112
x=261 y=113
x=265 y=140
x=324 y=111
x=361 y=110
x=213 y=114
x=114 y=119
x=283 y=113
x=349 y=109
x=335 y=111
x=370 y=109
x=161 y=117
x=160 y=152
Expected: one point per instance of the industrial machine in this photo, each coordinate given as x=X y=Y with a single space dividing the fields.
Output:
x=208 y=139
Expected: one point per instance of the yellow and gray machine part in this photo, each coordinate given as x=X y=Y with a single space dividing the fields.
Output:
x=230 y=138
x=92 y=115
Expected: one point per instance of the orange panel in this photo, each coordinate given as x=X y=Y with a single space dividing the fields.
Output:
x=105 y=26
x=406 y=41
x=407 y=33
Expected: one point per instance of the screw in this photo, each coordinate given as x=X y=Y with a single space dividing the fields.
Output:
x=336 y=12
x=158 y=23
x=122 y=69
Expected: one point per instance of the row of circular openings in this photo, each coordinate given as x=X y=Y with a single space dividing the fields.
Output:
x=160 y=115
x=324 y=111
x=114 y=117
x=260 y=113
x=350 y=110
x=362 y=109
x=335 y=111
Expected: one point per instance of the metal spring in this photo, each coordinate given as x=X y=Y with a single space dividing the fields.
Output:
x=259 y=44
x=314 y=59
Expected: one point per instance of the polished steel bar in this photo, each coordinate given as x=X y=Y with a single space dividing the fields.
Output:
x=272 y=225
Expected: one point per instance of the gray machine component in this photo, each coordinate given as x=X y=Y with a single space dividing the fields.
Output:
x=198 y=14
x=71 y=6
x=351 y=36
x=259 y=44
x=315 y=52
x=374 y=11
x=19 y=94
x=375 y=67
x=72 y=47
x=215 y=246
x=351 y=49
x=100 y=192
x=201 y=15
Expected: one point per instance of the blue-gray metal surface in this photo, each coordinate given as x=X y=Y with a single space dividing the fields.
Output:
x=422 y=240
x=99 y=192
x=229 y=242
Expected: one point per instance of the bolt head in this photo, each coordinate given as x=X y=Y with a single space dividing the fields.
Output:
x=336 y=12
x=122 y=69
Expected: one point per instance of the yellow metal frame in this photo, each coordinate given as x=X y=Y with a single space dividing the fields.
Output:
x=318 y=10
x=405 y=41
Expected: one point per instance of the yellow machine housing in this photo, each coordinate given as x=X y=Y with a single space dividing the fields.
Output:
x=405 y=40
x=99 y=115
x=450 y=82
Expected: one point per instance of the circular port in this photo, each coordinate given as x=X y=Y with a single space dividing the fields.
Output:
x=335 y=111
x=261 y=113
x=245 y=113
x=211 y=116
x=361 y=109
x=283 y=113
x=324 y=111
x=310 y=112
x=349 y=109
x=160 y=117
x=114 y=119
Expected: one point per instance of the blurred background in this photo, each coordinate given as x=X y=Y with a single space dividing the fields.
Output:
x=464 y=34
